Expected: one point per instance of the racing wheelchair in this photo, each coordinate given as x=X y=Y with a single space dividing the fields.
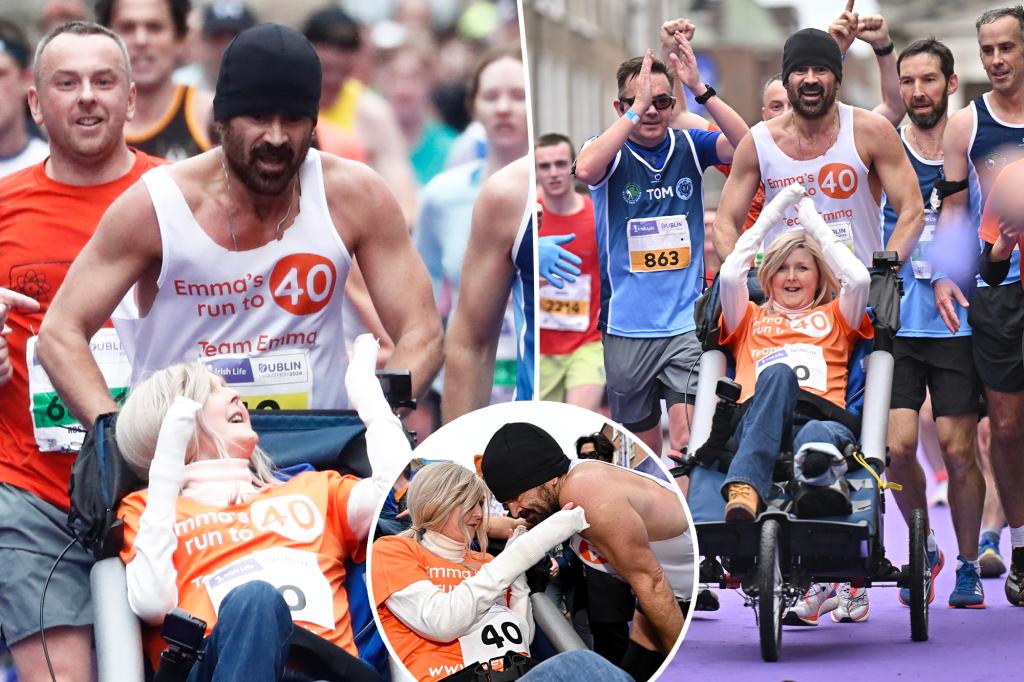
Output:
x=777 y=557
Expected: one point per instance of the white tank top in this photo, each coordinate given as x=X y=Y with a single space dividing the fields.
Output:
x=269 y=320
x=837 y=182
x=674 y=554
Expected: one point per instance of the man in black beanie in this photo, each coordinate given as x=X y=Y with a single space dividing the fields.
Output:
x=844 y=156
x=638 y=529
x=239 y=255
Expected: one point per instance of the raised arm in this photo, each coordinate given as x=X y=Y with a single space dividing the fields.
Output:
x=592 y=163
x=898 y=181
x=733 y=273
x=873 y=30
x=683 y=119
x=734 y=128
x=853 y=276
x=487 y=275
x=151 y=575
x=126 y=244
x=394 y=273
x=738 y=193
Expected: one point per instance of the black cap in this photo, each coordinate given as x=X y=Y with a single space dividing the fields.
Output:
x=227 y=16
x=333 y=26
x=521 y=456
x=268 y=69
x=811 y=47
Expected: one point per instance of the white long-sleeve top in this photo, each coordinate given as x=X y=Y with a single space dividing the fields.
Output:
x=853 y=277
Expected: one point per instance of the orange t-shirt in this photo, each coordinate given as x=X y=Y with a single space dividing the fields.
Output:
x=816 y=345
x=397 y=563
x=294 y=536
x=43 y=226
x=989 y=229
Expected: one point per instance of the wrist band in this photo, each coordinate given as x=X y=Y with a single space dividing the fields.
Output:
x=633 y=117
x=882 y=51
x=708 y=94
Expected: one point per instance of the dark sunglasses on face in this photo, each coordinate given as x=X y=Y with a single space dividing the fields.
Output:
x=660 y=102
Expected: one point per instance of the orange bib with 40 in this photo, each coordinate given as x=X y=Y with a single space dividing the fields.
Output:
x=837 y=180
x=303 y=283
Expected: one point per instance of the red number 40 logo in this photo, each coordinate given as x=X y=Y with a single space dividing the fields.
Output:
x=837 y=180
x=303 y=283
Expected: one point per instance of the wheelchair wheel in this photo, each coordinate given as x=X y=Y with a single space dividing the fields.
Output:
x=918 y=579
x=769 y=590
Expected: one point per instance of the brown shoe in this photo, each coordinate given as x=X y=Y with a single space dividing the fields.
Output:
x=742 y=504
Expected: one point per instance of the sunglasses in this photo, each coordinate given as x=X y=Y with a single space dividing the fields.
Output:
x=660 y=102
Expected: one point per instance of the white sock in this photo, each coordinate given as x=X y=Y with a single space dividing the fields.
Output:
x=931 y=543
x=1017 y=536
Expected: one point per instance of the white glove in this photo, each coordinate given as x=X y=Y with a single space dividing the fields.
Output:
x=777 y=207
x=813 y=224
x=178 y=428
x=361 y=383
x=531 y=546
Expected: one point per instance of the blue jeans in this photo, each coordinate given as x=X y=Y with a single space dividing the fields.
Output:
x=767 y=429
x=576 y=666
x=250 y=640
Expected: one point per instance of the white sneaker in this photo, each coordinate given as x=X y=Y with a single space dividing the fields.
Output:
x=853 y=605
x=820 y=598
x=941 y=495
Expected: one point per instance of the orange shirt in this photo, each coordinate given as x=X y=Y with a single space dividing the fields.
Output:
x=816 y=345
x=399 y=562
x=294 y=536
x=43 y=226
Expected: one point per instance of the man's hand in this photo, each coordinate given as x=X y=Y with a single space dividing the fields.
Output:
x=667 y=35
x=873 y=30
x=946 y=292
x=643 y=85
x=10 y=299
x=685 y=65
x=846 y=27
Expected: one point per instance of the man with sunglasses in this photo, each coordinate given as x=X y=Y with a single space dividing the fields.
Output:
x=647 y=185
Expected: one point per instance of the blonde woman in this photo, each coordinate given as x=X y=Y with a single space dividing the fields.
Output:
x=218 y=535
x=445 y=606
x=801 y=338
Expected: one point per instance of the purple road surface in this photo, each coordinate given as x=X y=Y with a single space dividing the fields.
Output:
x=963 y=644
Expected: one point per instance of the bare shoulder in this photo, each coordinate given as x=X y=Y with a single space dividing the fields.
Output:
x=959 y=127
x=349 y=178
x=591 y=482
x=870 y=123
x=196 y=174
x=502 y=199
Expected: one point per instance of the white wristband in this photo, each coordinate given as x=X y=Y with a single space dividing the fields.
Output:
x=633 y=117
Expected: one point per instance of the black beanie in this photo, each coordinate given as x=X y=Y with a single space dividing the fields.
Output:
x=811 y=47
x=521 y=456
x=268 y=69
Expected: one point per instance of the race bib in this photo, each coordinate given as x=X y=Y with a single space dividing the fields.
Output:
x=657 y=244
x=807 y=361
x=54 y=428
x=843 y=230
x=497 y=631
x=919 y=261
x=566 y=309
x=292 y=572
x=279 y=380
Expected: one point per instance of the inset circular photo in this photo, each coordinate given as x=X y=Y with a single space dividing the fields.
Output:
x=533 y=541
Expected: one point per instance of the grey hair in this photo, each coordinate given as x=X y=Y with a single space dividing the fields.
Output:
x=140 y=419
x=80 y=28
x=440 y=489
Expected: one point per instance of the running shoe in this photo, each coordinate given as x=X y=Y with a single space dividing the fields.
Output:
x=968 y=593
x=707 y=600
x=936 y=560
x=991 y=559
x=853 y=606
x=820 y=598
x=940 y=498
x=1015 y=578
x=742 y=504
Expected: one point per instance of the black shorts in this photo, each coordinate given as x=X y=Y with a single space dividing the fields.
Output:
x=945 y=365
x=996 y=317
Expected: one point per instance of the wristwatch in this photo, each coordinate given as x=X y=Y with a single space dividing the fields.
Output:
x=882 y=51
x=708 y=94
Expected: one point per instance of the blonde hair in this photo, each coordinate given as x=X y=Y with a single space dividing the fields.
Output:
x=440 y=489
x=776 y=254
x=140 y=419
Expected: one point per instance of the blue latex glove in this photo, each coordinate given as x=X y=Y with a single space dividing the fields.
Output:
x=555 y=264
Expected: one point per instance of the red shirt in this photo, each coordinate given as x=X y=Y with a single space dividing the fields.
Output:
x=43 y=226
x=571 y=305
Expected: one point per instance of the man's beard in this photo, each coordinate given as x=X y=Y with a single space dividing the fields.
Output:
x=824 y=105
x=928 y=121
x=243 y=163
